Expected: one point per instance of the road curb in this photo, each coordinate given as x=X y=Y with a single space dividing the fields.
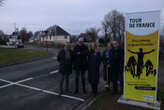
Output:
x=89 y=102
x=26 y=61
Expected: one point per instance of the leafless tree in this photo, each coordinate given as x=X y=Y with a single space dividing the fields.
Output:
x=114 y=25
x=1 y=2
x=1 y=34
x=92 y=34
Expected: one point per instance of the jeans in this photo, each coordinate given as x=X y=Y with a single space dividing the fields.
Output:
x=94 y=88
x=78 y=74
x=66 y=78
x=115 y=86
x=106 y=75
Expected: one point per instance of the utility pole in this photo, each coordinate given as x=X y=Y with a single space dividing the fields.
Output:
x=55 y=33
x=15 y=27
x=46 y=36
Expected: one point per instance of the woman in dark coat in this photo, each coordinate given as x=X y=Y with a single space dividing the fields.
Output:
x=94 y=60
x=65 y=66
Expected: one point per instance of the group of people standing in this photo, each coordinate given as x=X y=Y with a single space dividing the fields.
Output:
x=83 y=59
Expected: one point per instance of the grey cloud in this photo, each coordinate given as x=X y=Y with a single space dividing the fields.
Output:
x=73 y=15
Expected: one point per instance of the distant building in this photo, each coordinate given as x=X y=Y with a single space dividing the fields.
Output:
x=36 y=37
x=15 y=41
x=55 y=34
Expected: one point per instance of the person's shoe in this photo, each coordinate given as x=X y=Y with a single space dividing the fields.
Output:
x=115 y=93
x=95 y=94
x=84 y=91
x=106 y=86
x=76 y=92
x=61 y=92
x=66 y=90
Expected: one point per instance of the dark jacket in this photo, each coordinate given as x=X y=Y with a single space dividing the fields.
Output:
x=65 y=66
x=116 y=63
x=94 y=60
x=80 y=55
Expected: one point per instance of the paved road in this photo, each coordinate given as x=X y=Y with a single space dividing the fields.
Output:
x=53 y=50
x=34 y=86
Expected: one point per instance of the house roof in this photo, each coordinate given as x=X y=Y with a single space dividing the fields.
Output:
x=57 y=30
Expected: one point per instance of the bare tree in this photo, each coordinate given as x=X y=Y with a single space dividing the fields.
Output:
x=1 y=2
x=1 y=34
x=92 y=34
x=106 y=31
x=114 y=25
x=25 y=35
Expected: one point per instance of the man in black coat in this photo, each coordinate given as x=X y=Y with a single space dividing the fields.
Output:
x=80 y=63
x=65 y=66
x=116 y=66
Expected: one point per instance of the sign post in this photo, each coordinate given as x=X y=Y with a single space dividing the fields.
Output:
x=141 y=59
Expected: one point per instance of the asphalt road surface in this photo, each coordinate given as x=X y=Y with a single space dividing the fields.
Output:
x=35 y=86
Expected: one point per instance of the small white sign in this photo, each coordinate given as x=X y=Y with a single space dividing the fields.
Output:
x=148 y=97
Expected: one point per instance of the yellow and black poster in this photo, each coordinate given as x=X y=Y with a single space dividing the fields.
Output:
x=141 y=56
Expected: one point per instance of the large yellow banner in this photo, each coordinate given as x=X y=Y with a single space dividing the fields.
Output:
x=141 y=56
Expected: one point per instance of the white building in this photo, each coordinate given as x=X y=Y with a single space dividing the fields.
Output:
x=15 y=41
x=56 y=34
x=36 y=37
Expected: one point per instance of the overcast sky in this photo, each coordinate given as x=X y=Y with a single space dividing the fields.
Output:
x=75 y=16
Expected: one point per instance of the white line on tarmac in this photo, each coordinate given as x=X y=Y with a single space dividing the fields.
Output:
x=53 y=72
x=24 y=80
x=41 y=90
x=13 y=83
x=5 y=85
x=75 y=98
x=55 y=58
x=50 y=92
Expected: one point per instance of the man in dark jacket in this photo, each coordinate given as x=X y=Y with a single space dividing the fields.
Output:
x=80 y=63
x=105 y=59
x=65 y=66
x=116 y=66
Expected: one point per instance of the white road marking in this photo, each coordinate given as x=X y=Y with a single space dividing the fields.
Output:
x=13 y=83
x=55 y=58
x=50 y=92
x=53 y=72
x=75 y=98
x=38 y=89
x=24 y=80
x=29 y=87
x=5 y=86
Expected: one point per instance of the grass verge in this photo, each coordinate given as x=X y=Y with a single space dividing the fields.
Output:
x=107 y=101
x=15 y=55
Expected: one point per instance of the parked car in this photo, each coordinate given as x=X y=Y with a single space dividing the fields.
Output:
x=16 y=43
x=19 y=44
